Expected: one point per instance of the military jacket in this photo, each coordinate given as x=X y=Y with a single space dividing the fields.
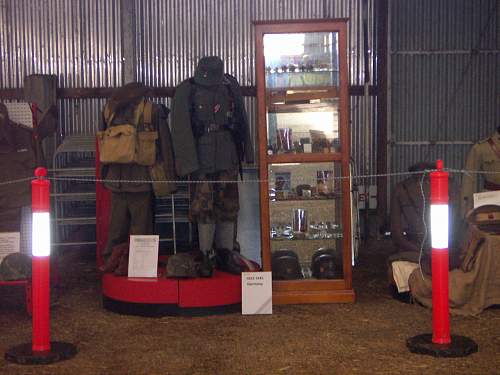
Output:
x=18 y=159
x=121 y=174
x=407 y=214
x=200 y=132
x=481 y=157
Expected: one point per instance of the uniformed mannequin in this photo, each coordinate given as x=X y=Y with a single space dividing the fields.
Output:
x=132 y=203
x=410 y=206
x=483 y=156
x=211 y=138
x=20 y=154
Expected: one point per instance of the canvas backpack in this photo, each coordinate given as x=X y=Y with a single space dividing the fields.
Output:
x=129 y=142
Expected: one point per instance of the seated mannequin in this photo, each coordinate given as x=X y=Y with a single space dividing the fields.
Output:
x=410 y=204
x=483 y=156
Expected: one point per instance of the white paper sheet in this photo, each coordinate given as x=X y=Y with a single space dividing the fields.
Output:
x=256 y=293
x=143 y=256
x=9 y=243
x=401 y=271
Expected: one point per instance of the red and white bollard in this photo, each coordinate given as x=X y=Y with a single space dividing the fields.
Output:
x=439 y=238
x=40 y=203
x=41 y=350
x=440 y=343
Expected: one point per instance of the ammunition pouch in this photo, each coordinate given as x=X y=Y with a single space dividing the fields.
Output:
x=117 y=144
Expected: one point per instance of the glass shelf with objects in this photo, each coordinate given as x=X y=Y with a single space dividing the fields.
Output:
x=303 y=158
x=308 y=228
x=300 y=60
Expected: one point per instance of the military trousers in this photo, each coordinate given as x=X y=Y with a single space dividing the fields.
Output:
x=131 y=213
x=215 y=200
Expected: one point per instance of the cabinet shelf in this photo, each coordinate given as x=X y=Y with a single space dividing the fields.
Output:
x=301 y=93
x=307 y=200
x=306 y=239
x=304 y=157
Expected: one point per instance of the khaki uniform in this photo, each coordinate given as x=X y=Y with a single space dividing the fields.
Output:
x=481 y=157
x=132 y=202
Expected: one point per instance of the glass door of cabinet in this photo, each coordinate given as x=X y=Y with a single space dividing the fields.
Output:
x=302 y=80
x=304 y=154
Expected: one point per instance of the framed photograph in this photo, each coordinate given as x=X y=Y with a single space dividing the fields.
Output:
x=282 y=181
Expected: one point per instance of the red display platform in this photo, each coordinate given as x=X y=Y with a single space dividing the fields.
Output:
x=161 y=296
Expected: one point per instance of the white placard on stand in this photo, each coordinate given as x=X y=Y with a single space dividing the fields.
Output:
x=256 y=293
x=143 y=256
x=10 y=242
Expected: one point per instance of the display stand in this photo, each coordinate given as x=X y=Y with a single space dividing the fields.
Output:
x=160 y=296
x=303 y=123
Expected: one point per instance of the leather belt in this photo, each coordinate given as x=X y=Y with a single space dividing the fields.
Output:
x=491 y=185
x=214 y=128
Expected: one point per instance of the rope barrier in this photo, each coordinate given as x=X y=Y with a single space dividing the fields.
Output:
x=258 y=181
x=16 y=181
x=251 y=181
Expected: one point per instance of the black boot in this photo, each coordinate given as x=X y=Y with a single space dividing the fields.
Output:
x=207 y=265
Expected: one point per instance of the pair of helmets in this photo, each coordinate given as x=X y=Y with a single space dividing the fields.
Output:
x=324 y=265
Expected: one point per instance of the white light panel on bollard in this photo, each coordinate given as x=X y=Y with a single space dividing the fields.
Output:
x=41 y=234
x=439 y=226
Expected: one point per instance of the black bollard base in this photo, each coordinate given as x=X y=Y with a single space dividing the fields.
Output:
x=460 y=346
x=24 y=355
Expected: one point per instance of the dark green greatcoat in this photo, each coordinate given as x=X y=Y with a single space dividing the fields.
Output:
x=209 y=151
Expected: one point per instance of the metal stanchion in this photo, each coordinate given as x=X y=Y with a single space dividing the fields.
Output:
x=41 y=350
x=440 y=343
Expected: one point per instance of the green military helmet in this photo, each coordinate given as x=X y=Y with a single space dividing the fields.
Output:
x=15 y=266
x=285 y=265
x=182 y=265
x=325 y=264
x=209 y=72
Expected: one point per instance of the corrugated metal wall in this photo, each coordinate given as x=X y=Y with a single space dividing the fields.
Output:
x=81 y=42
x=77 y=40
x=444 y=78
x=175 y=34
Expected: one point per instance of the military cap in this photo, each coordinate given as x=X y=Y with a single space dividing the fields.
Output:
x=209 y=72
x=182 y=265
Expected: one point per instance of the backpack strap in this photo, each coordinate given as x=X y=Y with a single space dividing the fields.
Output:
x=148 y=115
x=108 y=115
x=139 y=110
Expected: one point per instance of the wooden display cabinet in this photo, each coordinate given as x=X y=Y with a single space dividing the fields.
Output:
x=303 y=124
